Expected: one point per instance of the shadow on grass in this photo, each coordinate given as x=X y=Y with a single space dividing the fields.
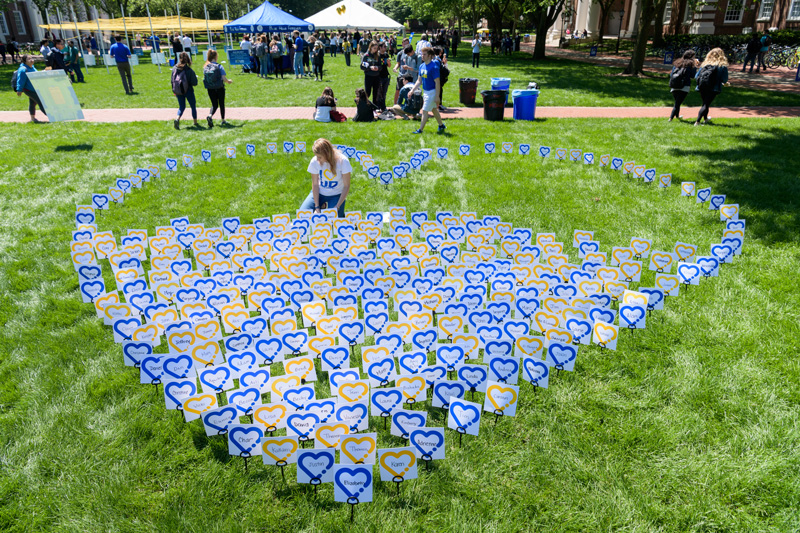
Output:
x=74 y=148
x=765 y=183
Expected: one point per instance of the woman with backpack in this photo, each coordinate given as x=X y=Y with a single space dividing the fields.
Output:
x=276 y=54
x=713 y=74
x=23 y=85
x=680 y=80
x=371 y=65
x=214 y=79
x=261 y=54
x=183 y=82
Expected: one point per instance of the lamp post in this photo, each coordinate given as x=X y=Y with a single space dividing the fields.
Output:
x=563 y=21
x=619 y=34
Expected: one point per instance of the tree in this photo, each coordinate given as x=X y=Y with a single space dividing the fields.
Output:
x=496 y=10
x=397 y=10
x=545 y=15
x=605 y=11
x=647 y=15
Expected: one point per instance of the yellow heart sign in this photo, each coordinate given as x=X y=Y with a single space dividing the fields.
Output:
x=665 y=179
x=411 y=386
x=604 y=332
x=200 y=404
x=529 y=345
x=301 y=366
x=206 y=353
x=507 y=147
x=604 y=160
x=404 y=459
x=561 y=153
x=328 y=434
x=501 y=397
x=280 y=384
x=546 y=320
x=353 y=448
x=729 y=211
x=352 y=392
x=279 y=449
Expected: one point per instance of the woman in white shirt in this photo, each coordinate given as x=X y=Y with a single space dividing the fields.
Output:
x=325 y=104
x=330 y=179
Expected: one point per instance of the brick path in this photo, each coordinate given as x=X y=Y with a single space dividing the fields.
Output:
x=294 y=113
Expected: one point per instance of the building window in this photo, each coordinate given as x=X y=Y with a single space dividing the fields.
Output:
x=794 y=10
x=3 y=25
x=668 y=12
x=733 y=13
x=765 y=10
x=19 y=22
x=689 y=14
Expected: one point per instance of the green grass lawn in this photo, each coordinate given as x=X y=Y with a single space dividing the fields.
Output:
x=563 y=83
x=692 y=425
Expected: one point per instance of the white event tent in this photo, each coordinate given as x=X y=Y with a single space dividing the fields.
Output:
x=352 y=14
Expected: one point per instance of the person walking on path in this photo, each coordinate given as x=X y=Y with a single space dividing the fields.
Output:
x=753 y=49
x=214 y=80
x=330 y=179
x=476 y=51
x=298 y=55
x=23 y=85
x=73 y=63
x=766 y=42
x=713 y=74
x=371 y=65
x=184 y=81
x=122 y=55
x=429 y=78
x=680 y=80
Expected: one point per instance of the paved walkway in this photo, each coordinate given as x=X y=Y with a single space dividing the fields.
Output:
x=294 y=113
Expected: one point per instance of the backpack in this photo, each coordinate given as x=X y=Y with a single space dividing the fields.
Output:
x=415 y=101
x=212 y=76
x=767 y=40
x=707 y=77
x=261 y=50
x=180 y=82
x=14 y=78
x=679 y=78
x=444 y=73
x=754 y=46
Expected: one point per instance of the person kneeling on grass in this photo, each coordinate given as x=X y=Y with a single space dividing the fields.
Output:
x=183 y=82
x=429 y=79
x=330 y=179
x=408 y=103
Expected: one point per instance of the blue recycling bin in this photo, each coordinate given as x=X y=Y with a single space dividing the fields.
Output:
x=525 y=106
x=502 y=84
x=516 y=93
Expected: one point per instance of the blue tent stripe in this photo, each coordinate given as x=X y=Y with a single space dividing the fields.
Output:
x=267 y=18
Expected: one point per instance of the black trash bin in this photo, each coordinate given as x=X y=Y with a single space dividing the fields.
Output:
x=494 y=104
x=467 y=90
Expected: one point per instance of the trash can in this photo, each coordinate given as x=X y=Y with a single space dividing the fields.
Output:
x=525 y=105
x=171 y=62
x=494 y=104
x=516 y=93
x=467 y=90
x=501 y=84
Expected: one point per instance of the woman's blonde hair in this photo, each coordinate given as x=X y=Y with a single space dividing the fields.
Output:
x=716 y=58
x=324 y=148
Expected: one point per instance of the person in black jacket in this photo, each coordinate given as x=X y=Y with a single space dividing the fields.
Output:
x=365 y=110
x=184 y=81
x=680 y=91
x=371 y=65
x=55 y=59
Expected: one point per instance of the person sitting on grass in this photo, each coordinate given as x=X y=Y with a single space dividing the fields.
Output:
x=408 y=104
x=330 y=179
x=365 y=110
x=326 y=103
x=429 y=79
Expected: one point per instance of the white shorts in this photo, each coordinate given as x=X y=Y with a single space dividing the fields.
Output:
x=428 y=100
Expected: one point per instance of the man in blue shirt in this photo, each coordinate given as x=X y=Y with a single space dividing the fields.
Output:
x=122 y=54
x=298 y=55
x=430 y=80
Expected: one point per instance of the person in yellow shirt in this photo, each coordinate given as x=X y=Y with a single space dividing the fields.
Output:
x=347 y=49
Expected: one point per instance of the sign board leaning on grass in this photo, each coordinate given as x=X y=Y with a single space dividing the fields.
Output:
x=57 y=95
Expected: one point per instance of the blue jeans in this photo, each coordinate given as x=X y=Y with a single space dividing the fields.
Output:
x=298 y=64
x=76 y=70
x=264 y=70
x=182 y=99
x=331 y=201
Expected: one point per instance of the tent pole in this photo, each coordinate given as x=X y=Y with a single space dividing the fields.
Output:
x=60 y=25
x=227 y=16
x=153 y=35
x=124 y=25
x=191 y=16
x=78 y=38
x=210 y=42
x=180 y=27
x=49 y=28
x=100 y=38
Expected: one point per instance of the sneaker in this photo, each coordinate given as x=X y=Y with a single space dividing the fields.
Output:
x=417 y=131
x=177 y=124
x=210 y=121
x=223 y=123
x=441 y=129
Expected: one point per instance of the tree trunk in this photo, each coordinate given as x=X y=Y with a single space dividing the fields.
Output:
x=541 y=35
x=658 y=30
x=648 y=13
x=601 y=31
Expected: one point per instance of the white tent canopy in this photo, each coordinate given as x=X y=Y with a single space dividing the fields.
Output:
x=352 y=14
